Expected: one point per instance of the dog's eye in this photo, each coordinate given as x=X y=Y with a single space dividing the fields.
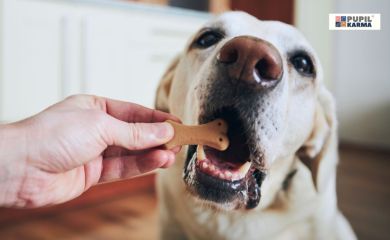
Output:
x=303 y=64
x=208 y=39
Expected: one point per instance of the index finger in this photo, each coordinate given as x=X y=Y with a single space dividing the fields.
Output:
x=132 y=112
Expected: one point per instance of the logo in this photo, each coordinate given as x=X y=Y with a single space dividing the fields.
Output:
x=367 y=21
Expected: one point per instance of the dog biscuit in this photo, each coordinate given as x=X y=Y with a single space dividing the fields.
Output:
x=212 y=134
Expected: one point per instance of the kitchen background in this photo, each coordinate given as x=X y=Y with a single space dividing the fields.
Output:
x=50 y=49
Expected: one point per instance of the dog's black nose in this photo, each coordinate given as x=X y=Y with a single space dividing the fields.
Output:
x=252 y=61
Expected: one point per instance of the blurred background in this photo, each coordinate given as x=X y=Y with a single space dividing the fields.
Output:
x=50 y=49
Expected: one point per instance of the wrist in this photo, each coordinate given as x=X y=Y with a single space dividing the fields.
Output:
x=12 y=163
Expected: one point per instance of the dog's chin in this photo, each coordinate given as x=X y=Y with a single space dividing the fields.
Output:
x=224 y=180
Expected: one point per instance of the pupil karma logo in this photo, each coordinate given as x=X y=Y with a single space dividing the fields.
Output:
x=354 y=22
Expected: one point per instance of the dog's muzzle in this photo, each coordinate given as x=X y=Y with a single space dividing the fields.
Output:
x=247 y=71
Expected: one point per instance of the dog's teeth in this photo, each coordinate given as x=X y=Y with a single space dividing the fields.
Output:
x=244 y=168
x=212 y=167
x=235 y=176
x=205 y=165
x=228 y=175
x=200 y=155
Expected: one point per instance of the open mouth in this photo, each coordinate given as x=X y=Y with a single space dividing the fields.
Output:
x=225 y=176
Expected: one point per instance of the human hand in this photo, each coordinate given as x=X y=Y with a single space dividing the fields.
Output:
x=59 y=153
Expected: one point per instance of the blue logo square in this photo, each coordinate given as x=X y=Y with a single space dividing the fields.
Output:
x=343 y=18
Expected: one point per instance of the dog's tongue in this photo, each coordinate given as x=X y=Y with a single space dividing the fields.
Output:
x=233 y=157
x=231 y=164
x=211 y=162
x=221 y=159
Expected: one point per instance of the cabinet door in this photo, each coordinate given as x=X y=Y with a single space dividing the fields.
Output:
x=31 y=58
x=127 y=54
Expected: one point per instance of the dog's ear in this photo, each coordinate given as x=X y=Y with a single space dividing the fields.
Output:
x=321 y=146
x=164 y=88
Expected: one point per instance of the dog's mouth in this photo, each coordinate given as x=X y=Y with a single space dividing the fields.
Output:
x=225 y=177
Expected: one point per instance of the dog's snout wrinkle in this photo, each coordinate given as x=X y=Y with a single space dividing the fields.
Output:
x=251 y=61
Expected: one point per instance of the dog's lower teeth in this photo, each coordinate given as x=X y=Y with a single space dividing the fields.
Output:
x=235 y=177
x=204 y=165
x=228 y=174
x=212 y=168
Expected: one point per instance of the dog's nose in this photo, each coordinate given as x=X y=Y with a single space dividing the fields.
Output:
x=252 y=61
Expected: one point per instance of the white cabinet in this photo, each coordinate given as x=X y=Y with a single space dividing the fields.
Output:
x=126 y=61
x=31 y=51
x=51 y=49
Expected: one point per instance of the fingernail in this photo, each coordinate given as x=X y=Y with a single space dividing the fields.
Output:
x=176 y=149
x=165 y=130
x=172 y=157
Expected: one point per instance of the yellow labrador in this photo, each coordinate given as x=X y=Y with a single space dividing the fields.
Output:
x=277 y=178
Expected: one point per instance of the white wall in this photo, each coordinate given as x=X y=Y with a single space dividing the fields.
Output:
x=311 y=17
x=362 y=76
x=357 y=67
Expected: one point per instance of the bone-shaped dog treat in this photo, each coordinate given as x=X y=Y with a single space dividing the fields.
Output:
x=212 y=134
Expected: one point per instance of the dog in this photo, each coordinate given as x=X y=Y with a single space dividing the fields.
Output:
x=277 y=178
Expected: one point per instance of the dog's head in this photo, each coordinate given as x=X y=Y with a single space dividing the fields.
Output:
x=265 y=80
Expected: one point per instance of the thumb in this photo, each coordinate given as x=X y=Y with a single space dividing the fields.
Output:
x=138 y=136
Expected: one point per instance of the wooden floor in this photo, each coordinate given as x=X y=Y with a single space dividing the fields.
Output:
x=363 y=188
x=364 y=191
x=131 y=216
